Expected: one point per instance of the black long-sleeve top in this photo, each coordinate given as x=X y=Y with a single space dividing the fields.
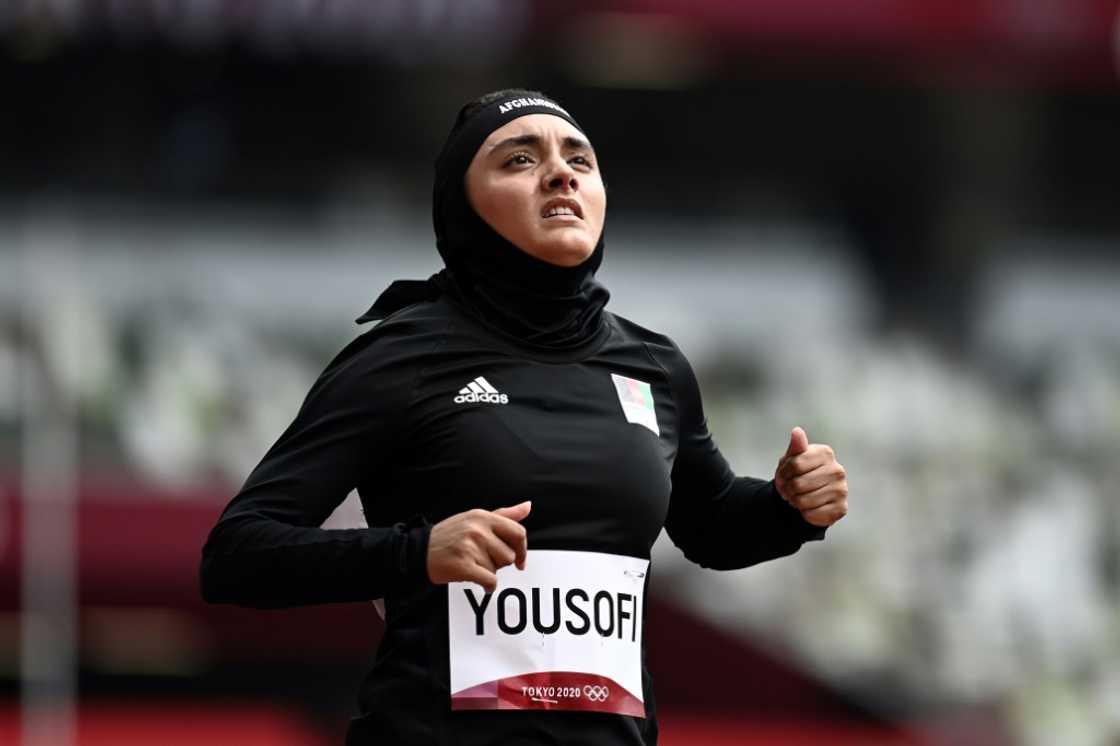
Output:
x=388 y=418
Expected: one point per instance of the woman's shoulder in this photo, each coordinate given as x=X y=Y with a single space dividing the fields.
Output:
x=425 y=316
x=662 y=349
x=397 y=340
x=659 y=344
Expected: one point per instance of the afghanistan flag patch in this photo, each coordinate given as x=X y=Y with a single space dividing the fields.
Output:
x=636 y=399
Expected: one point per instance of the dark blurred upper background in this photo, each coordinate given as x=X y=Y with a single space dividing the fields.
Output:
x=894 y=222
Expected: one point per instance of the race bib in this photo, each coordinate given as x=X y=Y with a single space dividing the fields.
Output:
x=565 y=633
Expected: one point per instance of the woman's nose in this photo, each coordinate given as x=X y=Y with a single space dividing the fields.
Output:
x=560 y=177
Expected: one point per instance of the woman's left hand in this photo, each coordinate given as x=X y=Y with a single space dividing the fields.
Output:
x=810 y=479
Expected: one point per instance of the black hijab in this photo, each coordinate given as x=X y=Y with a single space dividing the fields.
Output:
x=509 y=290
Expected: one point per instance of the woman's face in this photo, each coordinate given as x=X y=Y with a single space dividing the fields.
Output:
x=536 y=182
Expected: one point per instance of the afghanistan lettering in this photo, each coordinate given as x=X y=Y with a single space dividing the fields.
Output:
x=518 y=103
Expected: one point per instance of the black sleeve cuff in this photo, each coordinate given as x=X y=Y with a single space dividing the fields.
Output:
x=800 y=529
x=412 y=555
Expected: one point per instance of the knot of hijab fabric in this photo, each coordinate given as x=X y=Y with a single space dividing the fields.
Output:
x=505 y=288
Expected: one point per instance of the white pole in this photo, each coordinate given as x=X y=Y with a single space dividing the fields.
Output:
x=49 y=453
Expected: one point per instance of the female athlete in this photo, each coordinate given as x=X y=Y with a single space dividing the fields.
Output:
x=517 y=449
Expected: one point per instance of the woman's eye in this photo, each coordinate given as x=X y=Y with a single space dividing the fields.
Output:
x=518 y=159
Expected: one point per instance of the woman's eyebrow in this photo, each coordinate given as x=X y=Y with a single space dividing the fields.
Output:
x=519 y=140
x=570 y=142
x=575 y=143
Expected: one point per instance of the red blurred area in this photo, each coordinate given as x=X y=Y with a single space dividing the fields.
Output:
x=249 y=725
x=679 y=729
x=1050 y=40
x=139 y=548
x=179 y=725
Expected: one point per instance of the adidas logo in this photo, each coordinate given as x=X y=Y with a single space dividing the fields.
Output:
x=480 y=390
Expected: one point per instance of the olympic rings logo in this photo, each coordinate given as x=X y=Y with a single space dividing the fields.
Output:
x=596 y=693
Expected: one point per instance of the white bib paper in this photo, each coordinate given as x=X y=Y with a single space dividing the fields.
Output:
x=565 y=634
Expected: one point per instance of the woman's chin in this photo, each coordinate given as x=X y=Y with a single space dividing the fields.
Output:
x=563 y=253
x=567 y=256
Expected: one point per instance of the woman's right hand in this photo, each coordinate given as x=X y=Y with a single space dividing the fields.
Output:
x=473 y=545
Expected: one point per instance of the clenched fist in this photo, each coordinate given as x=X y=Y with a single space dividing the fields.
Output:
x=475 y=544
x=810 y=479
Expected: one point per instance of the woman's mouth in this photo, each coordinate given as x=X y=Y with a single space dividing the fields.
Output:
x=561 y=208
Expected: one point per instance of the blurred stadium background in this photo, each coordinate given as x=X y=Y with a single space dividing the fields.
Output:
x=894 y=222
